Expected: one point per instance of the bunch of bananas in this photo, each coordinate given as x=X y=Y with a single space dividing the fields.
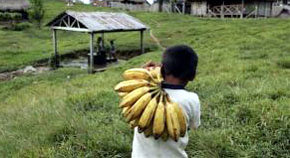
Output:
x=147 y=106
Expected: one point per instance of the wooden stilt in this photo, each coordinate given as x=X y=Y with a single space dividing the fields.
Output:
x=142 y=41
x=91 y=66
x=183 y=7
x=56 y=56
x=256 y=10
x=103 y=40
x=242 y=10
x=222 y=10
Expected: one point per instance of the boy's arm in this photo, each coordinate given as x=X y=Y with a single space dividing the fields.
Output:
x=195 y=119
x=150 y=64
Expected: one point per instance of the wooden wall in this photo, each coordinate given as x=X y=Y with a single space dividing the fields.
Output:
x=199 y=8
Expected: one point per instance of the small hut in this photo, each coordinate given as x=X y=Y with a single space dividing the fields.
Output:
x=95 y=23
x=232 y=8
x=15 y=6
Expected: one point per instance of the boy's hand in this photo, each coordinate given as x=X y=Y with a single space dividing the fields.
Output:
x=150 y=64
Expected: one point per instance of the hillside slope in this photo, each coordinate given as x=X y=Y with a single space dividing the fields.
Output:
x=243 y=82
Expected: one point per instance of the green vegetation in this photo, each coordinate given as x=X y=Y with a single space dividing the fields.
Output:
x=243 y=82
x=37 y=11
x=10 y=16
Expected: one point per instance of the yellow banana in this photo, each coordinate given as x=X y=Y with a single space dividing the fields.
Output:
x=148 y=113
x=181 y=119
x=159 y=119
x=148 y=131
x=165 y=135
x=134 y=123
x=129 y=85
x=122 y=94
x=172 y=122
x=156 y=74
x=125 y=109
x=138 y=107
x=133 y=96
x=136 y=73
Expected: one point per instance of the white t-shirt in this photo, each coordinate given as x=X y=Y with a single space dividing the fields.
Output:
x=150 y=148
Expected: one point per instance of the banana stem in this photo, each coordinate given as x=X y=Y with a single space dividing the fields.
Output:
x=157 y=90
x=161 y=96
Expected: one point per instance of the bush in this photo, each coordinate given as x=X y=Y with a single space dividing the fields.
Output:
x=18 y=26
x=37 y=11
x=10 y=16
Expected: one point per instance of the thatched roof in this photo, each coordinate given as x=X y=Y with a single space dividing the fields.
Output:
x=14 y=5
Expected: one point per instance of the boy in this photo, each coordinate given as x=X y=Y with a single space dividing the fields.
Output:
x=178 y=67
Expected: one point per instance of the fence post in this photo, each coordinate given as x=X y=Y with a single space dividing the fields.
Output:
x=56 y=56
x=242 y=10
x=222 y=10
x=91 y=66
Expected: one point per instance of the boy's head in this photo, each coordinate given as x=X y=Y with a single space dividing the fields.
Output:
x=179 y=62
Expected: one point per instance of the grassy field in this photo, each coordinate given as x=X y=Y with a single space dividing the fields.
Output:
x=243 y=82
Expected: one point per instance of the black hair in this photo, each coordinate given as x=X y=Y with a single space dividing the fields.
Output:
x=179 y=61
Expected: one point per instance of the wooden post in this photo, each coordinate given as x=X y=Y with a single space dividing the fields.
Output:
x=141 y=41
x=222 y=10
x=103 y=40
x=242 y=11
x=91 y=66
x=256 y=10
x=183 y=7
x=56 y=56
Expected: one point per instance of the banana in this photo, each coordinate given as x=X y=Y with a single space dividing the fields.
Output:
x=138 y=107
x=156 y=74
x=172 y=122
x=165 y=135
x=125 y=109
x=148 y=131
x=122 y=94
x=134 y=123
x=133 y=96
x=159 y=119
x=148 y=113
x=154 y=71
x=136 y=73
x=129 y=85
x=181 y=119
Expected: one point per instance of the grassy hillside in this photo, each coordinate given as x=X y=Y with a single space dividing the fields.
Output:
x=243 y=82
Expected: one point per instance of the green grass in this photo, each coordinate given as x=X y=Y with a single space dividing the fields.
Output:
x=243 y=82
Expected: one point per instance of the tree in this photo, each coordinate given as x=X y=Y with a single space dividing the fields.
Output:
x=37 y=11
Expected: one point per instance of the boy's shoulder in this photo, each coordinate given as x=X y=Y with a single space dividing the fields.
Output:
x=183 y=96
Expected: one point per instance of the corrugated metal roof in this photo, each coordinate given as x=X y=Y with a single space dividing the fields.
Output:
x=103 y=21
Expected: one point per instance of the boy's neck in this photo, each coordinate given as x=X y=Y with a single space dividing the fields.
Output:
x=173 y=80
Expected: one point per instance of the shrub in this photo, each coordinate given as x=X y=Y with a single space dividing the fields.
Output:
x=37 y=11
x=10 y=16
x=18 y=26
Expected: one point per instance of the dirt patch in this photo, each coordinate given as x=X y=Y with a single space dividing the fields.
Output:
x=5 y=76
